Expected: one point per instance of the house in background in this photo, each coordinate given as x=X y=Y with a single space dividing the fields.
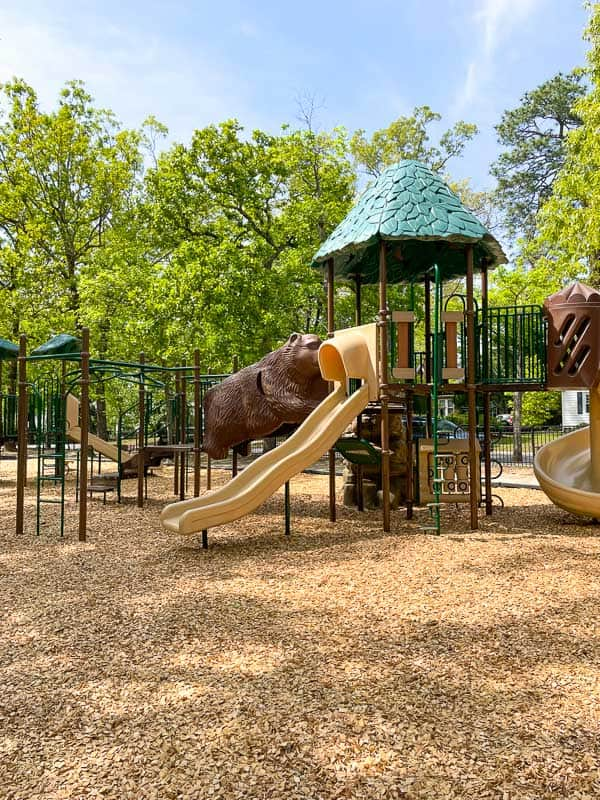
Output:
x=575 y=408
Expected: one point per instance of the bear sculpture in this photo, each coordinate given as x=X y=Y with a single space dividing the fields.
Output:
x=281 y=389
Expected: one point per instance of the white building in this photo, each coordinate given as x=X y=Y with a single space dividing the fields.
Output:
x=575 y=408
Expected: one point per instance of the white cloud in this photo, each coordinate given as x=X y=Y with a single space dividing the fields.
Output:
x=134 y=74
x=248 y=29
x=494 y=20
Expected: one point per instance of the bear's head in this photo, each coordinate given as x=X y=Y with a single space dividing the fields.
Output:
x=303 y=349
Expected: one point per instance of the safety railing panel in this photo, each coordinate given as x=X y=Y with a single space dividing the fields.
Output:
x=511 y=345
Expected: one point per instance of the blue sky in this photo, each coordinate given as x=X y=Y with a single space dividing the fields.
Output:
x=194 y=63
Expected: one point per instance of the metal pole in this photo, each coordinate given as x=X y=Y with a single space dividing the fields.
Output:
x=84 y=422
x=330 y=333
x=287 y=508
x=177 y=434
x=197 y=424
x=21 y=433
x=472 y=391
x=383 y=382
x=141 y=435
x=183 y=436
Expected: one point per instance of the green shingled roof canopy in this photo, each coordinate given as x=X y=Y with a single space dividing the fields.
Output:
x=424 y=222
x=8 y=350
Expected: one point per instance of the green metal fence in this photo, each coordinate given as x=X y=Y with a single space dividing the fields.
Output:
x=511 y=345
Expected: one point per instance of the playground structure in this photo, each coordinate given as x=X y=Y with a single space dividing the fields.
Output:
x=48 y=415
x=568 y=469
x=408 y=228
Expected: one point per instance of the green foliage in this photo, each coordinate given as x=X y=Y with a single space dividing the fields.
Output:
x=539 y=408
x=206 y=245
x=64 y=179
x=408 y=137
x=534 y=134
x=570 y=220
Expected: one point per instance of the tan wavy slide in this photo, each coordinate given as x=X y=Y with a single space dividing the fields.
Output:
x=74 y=432
x=350 y=353
x=568 y=469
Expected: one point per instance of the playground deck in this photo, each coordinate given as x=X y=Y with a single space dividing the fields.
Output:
x=339 y=663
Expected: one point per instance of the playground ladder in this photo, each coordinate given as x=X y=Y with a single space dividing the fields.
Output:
x=51 y=446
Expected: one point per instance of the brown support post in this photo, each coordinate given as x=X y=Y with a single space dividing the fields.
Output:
x=209 y=463
x=360 y=496
x=141 y=435
x=21 y=434
x=410 y=487
x=330 y=333
x=487 y=423
x=383 y=382
x=472 y=391
x=183 y=435
x=197 y=424
x=1 y=405
x=175 y=453
x=428 y=362
x=84 y=422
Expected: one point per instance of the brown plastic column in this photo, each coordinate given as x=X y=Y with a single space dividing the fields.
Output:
x=471 y=391
x=428 y=349
x=360 y=492
x=21 y=434
x=451 y=345
x=197 y=424
x=208 y=462
x=383 y=382
x=410 y=484
x=141 y=436
x=330 y=333
x=487 y=422
x=84 y=423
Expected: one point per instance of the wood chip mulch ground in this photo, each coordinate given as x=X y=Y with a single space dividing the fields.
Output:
x=338 y=663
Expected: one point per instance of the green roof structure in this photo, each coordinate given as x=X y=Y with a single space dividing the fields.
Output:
x=425 y=223
x=8 y=350
x=62 y=344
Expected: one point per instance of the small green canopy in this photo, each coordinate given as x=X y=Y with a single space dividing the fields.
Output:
x=63 y=344
x=8 y=350
x=424 y=221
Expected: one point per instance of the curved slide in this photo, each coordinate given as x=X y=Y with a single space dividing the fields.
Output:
x=74 y=432
x=568 y=469
x=565 y=473
x=350 y=353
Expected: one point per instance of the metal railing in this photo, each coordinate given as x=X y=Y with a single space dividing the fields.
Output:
x=511 y=345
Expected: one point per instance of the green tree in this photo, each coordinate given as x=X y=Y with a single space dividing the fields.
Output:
x=409 y=137
x=534 y=134
x=570 y=220
x=238 y=219
x=64 y=176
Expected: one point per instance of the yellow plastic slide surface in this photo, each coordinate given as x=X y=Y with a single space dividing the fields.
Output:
x=74 y=431
x=265 y=475
x=568 y=469
x=564 y=471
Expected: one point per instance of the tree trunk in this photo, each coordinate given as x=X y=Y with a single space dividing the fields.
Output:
x=101 y=422
x=517 y=435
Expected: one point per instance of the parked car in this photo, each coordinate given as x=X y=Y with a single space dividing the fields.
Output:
x=445 y=428
x=504 y=419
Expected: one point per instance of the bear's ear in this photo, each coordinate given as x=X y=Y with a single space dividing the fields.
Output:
x=293 y=338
